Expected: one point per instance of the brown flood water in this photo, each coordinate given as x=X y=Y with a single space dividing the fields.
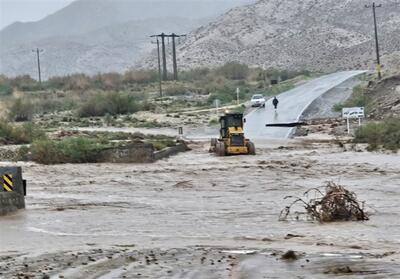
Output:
x=200 y=216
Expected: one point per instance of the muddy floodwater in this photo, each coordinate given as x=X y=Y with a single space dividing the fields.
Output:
x=200 y=216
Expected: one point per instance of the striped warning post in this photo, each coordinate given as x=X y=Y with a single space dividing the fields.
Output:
x=8 y=185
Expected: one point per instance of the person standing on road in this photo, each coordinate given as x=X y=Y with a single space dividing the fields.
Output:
x=275 y=102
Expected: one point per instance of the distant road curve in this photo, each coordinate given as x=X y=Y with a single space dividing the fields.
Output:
x=292 y=105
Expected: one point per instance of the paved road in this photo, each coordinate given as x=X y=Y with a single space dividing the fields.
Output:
x=292 y=105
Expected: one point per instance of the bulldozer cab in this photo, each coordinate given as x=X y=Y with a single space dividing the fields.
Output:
x=232 y=140
x=231 y=123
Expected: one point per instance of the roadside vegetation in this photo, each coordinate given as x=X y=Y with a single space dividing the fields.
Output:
x=83 y=147
x=79 y=97
x=380 y=135
x=69 y=150
x=19 y=134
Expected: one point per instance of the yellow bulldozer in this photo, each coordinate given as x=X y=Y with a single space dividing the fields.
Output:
x=232 y=140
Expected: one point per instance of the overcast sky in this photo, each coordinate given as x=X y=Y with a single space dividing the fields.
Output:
x=28 y=10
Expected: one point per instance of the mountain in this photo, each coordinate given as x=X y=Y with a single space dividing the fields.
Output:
x=100 y=35
x=315 y=35
x=112 y=48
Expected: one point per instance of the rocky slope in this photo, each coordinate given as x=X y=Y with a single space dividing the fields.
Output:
x=316 y=35
x=385 y=98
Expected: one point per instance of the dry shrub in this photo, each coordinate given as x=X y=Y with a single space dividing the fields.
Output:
x=108 y=103
x=336 y=204
x=21 y=110
x=140 y=76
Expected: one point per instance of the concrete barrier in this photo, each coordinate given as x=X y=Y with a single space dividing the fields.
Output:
x=170 y=151
x=12 y=190
x=10 y=202
x=138 y=152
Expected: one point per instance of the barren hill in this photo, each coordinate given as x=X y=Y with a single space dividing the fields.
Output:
x=297 y=34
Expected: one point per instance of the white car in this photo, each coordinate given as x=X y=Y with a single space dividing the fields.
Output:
x=257 y=100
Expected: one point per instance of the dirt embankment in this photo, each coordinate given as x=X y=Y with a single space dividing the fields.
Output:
x=385 y=98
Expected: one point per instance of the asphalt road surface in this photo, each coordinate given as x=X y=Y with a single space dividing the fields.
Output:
x=292 y=105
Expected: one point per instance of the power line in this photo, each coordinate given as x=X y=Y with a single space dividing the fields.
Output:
x=378 y=59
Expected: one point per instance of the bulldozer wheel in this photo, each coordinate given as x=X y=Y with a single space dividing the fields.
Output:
x=220 y=149
x=252 y=149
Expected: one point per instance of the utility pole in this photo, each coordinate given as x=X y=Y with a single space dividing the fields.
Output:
x=159 y=68
x=159 y=65
x=164 y=57
x=165 y=73
x=38 y=51
x=175 y=66
x=378 y=59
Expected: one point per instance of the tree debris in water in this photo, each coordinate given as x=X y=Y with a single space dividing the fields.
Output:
x=336 y=204
x=290 y=255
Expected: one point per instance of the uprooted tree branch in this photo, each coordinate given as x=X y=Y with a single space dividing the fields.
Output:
x=336 y=204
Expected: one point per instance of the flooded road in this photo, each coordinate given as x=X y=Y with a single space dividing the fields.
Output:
x=160 y=220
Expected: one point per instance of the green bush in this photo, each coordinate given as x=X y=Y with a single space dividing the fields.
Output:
x=385 y=134
x=26 y=133
x=21 y=110
x=71 y=150
x=108 y=103
x=5 y=89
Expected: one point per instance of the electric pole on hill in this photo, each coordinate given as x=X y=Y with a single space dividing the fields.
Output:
x=38 y=51
x=378 y=58
x=164 y=57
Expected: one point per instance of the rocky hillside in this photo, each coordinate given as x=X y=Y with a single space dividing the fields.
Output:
x=297 y=34
x=93 y=36
x=385 y=98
